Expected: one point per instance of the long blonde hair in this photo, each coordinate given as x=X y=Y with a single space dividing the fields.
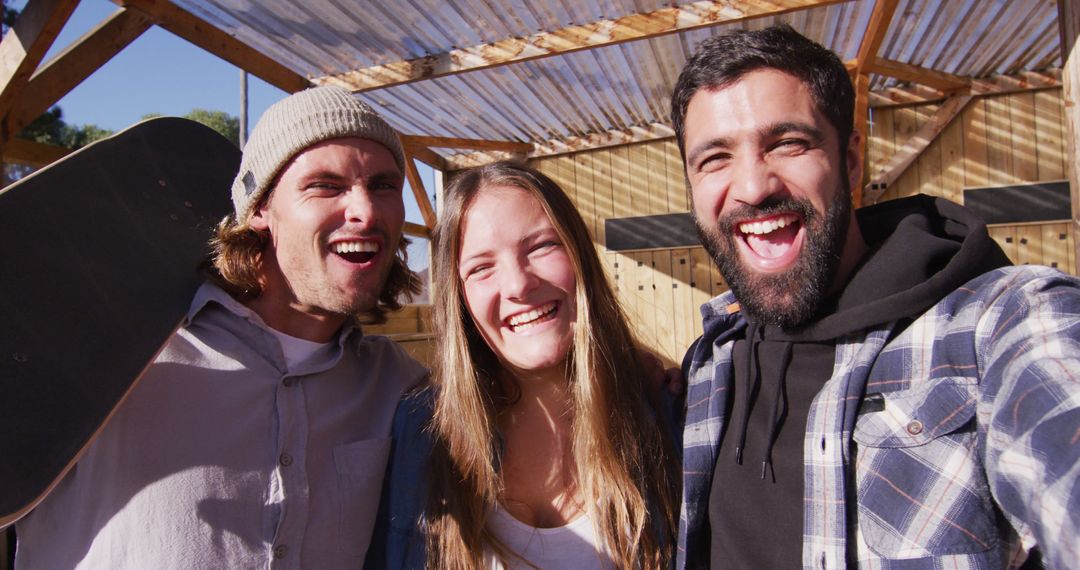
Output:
x=623 y=461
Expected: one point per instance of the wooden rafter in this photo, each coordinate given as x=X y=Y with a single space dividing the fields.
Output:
x=566 y=40
x=474 y=144
x=66 y=70
x=24 y=45
x=424 y=154
x=996 y=85
x=945 y=82
x=876 y=30
x=654 y=131
x=412 y=229
x=417 y=184
x=33 y=153
x=889 y=172
x=198 y=32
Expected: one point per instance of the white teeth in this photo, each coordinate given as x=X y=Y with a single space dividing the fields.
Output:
x=527 y=318
x=769 y=226
x=355 y=247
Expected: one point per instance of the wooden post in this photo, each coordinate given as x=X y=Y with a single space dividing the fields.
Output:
x=1069 y=26
x=862 y=126
x=876 y=29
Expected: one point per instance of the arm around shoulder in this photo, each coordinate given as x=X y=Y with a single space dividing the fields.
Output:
x=1028 y=344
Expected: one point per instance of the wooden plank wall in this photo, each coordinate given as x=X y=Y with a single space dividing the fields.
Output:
x=660 y=290
x=997 y=140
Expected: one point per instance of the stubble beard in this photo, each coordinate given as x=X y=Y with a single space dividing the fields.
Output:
x=320 y=293
x=792 y=298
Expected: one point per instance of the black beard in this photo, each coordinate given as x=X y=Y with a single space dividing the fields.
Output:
x=789 y=299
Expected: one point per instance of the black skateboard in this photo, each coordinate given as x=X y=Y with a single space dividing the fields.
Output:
x=100 y=255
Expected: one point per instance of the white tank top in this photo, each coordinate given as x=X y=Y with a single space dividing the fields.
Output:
x=570 y=547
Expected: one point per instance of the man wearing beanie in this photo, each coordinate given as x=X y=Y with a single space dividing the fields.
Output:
x=259 y=436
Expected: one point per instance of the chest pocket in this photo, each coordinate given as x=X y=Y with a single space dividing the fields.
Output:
x=919 y=473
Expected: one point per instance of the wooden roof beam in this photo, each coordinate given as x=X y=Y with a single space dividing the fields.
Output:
x=197 y=31
x=889 y=172
x=33 y=153
x=423 y=154
x=653 y=131
x=996 y=85
x=566 y=40
x=472 y=144
x=945 y=82
x=58 y=76
x=417 y=185
x=24 y=45
x=876 y=30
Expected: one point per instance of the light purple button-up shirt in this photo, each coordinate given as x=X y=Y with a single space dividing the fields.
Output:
x=223 y=458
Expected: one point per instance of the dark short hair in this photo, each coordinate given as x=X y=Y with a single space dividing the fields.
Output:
x=721 y=60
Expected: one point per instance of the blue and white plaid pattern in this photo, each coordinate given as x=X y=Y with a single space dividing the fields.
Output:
x=975 y=457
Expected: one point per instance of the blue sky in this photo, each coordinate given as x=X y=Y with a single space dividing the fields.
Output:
x=162 y=73
x=157 y=73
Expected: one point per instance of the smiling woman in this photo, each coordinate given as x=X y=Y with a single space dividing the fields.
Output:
x=536 y=441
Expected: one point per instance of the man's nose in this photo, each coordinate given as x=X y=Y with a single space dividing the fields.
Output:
x=753 y=181
x=359 y=208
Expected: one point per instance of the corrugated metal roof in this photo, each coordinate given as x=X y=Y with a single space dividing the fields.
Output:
x=609 y=89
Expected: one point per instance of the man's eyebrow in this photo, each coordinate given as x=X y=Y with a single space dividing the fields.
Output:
x=392 y=176
x=325 y=175
x=697 y=151
x=778 y=129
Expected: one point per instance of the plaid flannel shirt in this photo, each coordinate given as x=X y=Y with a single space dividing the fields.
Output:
x=975 y=458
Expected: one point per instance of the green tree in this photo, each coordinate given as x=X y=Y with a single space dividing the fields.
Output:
x=225 y=124
x=50 y=128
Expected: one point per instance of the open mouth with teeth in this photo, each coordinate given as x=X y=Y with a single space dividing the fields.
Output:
x=772 y=240
x=360 y=251
x=524 y=321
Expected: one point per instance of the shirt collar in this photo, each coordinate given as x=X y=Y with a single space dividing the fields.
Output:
x=209 y=294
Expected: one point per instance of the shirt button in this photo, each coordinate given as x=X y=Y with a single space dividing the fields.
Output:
x=290 y=382
x=280 y=551
x=915 y=427
x=285 y=459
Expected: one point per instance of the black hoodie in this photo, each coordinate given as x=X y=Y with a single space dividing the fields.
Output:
x=920 y=250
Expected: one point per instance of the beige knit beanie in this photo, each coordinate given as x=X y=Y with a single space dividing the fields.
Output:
x=295 y=123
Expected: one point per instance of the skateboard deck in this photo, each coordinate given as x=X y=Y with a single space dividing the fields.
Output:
x=100 y=257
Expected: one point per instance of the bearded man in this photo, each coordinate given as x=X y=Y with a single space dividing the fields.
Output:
x=259 y=435
x=879 y=388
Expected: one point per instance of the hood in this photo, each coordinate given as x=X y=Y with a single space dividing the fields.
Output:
x=920 y=249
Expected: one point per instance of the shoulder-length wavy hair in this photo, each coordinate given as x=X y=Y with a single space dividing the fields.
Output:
x=623 y=461
x=236 y=252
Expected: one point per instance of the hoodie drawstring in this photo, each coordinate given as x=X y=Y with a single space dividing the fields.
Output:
x=755 y=335
x=751 y=387
x=775 y=415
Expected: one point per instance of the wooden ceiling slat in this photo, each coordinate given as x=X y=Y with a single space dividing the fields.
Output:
x=915 y=74
x=72 y=66
x=25 y=44
x=569 y=39
x=193 y=29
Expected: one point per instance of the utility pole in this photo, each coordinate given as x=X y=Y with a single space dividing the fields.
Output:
x=243 y=108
